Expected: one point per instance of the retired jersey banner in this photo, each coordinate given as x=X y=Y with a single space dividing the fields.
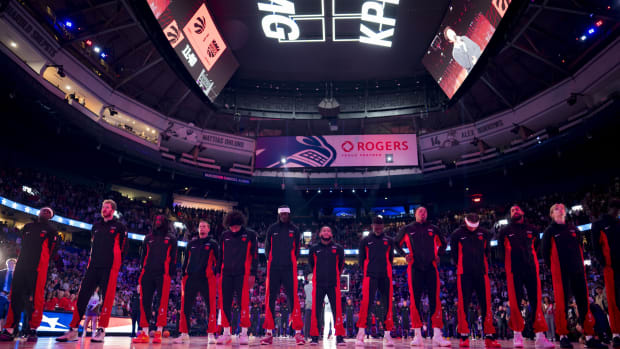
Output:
x=337 y=151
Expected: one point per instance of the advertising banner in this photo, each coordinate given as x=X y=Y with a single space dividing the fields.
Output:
x=337 y=151
x=59 y=322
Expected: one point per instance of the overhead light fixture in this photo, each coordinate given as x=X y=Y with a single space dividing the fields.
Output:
x=283 y=160
x=13 y=44
x=68 y=87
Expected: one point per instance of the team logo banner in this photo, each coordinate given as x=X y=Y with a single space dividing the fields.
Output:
x=337 y=151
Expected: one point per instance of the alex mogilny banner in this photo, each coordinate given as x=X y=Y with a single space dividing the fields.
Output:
x=337 y=151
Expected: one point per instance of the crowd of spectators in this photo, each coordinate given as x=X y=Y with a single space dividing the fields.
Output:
x=82 y=202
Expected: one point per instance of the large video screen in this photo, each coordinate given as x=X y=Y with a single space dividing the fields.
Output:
x=191 y=32
x=463 y=35
x=337 y=151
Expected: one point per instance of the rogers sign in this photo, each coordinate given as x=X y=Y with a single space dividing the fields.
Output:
x=337 y=151
x=348 y=146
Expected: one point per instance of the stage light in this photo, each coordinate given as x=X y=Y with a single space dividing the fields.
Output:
x=386 y=198
x=365 y=233
x=68 y=24
x=88 y=42
x=13 y=44
x=583 y=38
x=591 y=31
x=97 y=49
x=319 y=191
x=331 y=191
x=353 y=191
x=104 y=55
x=599 y=23
x=68 y=87
x=283 y=160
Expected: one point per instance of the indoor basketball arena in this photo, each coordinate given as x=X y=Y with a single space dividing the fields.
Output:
x=321 y=173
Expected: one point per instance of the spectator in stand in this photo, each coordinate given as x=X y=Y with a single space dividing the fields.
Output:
x=308 y=306
x=4 y=307
x=548 y=310
x=64 y=303
x=92 y=313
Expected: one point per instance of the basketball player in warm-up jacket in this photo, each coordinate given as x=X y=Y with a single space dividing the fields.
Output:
x=326 y=259
x=106 y=255
x=282 y=250
x=425 y=245
x=562 y=250
x=158 y=261
x=39 y=240
x=237 y=268
x=376 y=254
x=519 y=242
x=199 y=277
x=470 y=247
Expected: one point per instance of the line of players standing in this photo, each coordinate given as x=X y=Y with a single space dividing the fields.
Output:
x=231 y=266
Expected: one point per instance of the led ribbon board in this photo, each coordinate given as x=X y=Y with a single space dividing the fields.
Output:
x=193 y=35
x=290 y=21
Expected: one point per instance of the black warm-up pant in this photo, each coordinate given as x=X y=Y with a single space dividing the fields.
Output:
x=467 y=284
x=192 y=285
x=149 y=283
x=26 y=296
x=518 y=278
x=420 y=281
x=288 y=279
x=335 y=302
x=369 y=289
x=235 y=285
x=105 y=279
x=572 y=282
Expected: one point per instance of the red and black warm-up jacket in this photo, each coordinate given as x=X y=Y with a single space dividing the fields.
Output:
x=470 y=250
x=569 y=244
x=238 y=250
x=606 y=241
x=39 y=243
x=327 y=263
x=201 y=257
x=523 y=242
x=108 y=244
x=424 y=242
x=159 y=250
x=281 y=243
x=378 y=252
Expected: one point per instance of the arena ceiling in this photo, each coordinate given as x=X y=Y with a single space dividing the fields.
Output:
x=540 y=45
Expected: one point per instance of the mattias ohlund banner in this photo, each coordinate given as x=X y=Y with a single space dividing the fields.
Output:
x=337 y=151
